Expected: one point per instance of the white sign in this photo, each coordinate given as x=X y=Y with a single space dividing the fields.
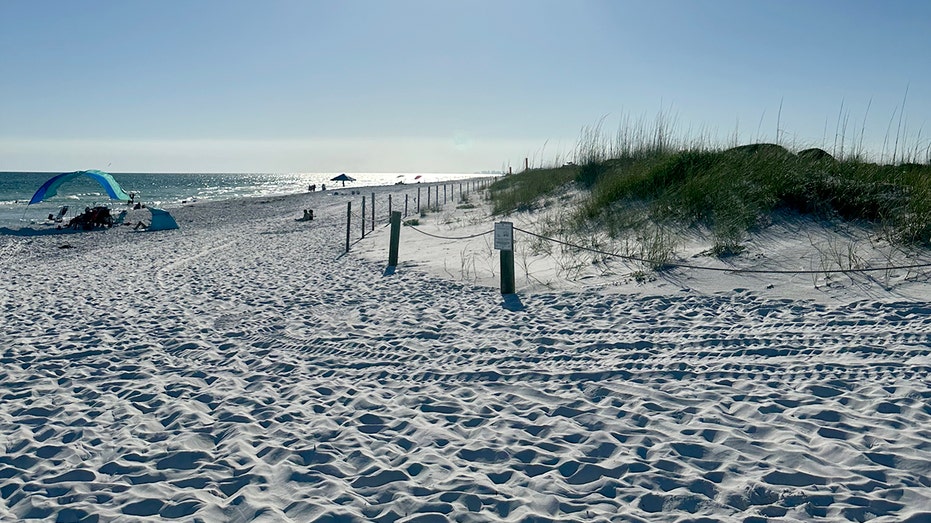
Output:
x=504 y=236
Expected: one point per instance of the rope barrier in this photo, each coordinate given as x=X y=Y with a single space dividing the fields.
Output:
x=688 y=265
x=451 y=237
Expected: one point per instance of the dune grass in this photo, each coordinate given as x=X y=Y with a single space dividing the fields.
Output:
x=728 y=191
x=522 y=191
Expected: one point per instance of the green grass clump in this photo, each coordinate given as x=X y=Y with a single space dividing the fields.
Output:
x=521 y=191
x=729 y=191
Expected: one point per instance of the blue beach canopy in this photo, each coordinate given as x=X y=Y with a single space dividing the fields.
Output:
x=50 y=188
x=161 y=220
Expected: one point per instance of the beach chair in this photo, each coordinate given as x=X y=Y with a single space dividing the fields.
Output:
x=61 y=213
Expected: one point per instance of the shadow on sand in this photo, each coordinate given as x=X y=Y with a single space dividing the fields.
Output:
x=30 y=231
x=512 y=303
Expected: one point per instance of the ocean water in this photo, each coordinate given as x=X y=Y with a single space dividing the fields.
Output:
x=169 y=190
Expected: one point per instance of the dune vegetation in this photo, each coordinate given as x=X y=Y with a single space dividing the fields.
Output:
x=646 y=178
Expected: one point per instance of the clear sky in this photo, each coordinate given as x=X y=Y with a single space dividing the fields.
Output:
x=442 y=85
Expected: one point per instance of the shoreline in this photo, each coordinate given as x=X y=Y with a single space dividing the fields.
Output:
x=170 y=190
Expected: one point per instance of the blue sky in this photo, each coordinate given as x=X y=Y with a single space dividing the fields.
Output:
x=442 y=86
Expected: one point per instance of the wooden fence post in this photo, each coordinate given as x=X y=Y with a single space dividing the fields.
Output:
x=507 y=272
x=373 y=212
x=405 y=204
x=348 y=222
x=395 y=239
x=363 y=217
x=418 y=199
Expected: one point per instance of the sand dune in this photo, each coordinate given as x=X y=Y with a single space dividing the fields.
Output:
x=243 y=368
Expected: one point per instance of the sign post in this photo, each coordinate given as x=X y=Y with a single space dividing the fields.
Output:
x=504 y=242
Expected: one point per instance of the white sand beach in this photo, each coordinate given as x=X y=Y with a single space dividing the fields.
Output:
x=243 y=368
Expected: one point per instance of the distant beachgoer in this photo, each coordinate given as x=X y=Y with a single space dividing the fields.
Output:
x=132 y=198
x=322 y=186
x=310 y=214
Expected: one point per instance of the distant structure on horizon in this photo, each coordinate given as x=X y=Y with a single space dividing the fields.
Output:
x=488 y=172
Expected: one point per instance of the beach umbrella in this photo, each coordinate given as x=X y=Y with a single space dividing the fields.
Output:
x=343 y=178
x=50 y=187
